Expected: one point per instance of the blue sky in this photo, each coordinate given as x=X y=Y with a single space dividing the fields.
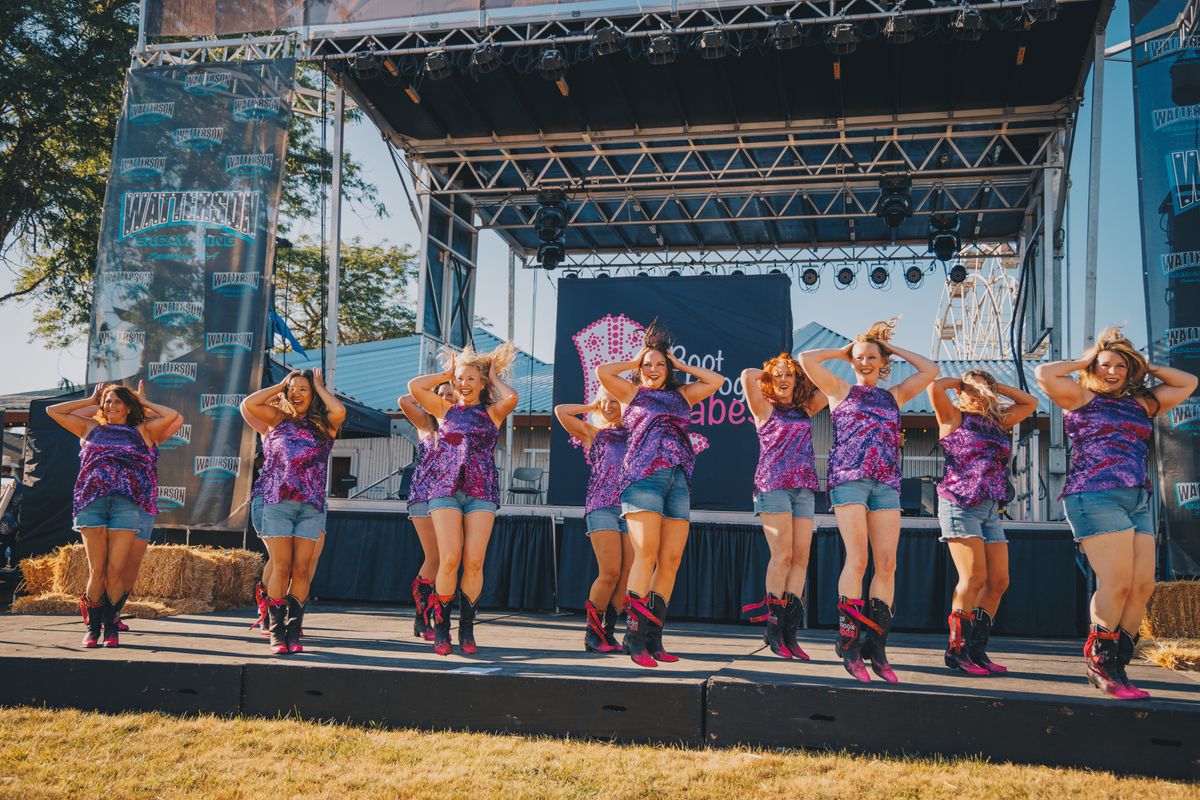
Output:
x=1120 y=297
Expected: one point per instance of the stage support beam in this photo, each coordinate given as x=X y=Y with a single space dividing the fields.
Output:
x=335 y=235
x=512 y=337
x=1093 y=220
x=1051 y=252
x=446 y=286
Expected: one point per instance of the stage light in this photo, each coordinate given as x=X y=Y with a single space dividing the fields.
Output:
x=413 y=94
x=713 y=44
x=643 y=275
x=570 y=274
x=365 y=65
x=607 y=41
x=1036 y=10
x=601 y=274
x=737 y=272
x=967 y=25
x=551 y=216
x=880 y=276
x=775 y=271
x=899 y=29
x=673 y=274
x=845 y=277
x=896 y=204
x=486 y=58
x=1185 y=81
x=842 y=39
x=786 y=34
x=943 y=236
x=551 y=64
x=662 y=49
x=550 y=255
x=391 y=67
x=958 y=273
x=810 y=278
x=706 y=274
x=913 y=276
x=437 y=65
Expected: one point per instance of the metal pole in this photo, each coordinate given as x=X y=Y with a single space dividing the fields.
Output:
x=141 y=34
x=335 y=237
x=1052 y=262
x=1093 y=222
x=512 y=335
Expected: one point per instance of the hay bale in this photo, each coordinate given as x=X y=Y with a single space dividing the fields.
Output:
x=58 y=603
x=1174 y=611
x=236 y=572
x=175 y=571
x=38 y=574
x=1178 y=654
x=70 y=569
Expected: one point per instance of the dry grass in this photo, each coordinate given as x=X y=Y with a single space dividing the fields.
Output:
x=68 y=754
x=1180 y=654
x=1174 y=611
x=144 y=608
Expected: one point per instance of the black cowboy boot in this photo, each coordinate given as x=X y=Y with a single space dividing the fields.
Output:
x=654 y=632
x=440 y=608
x=957 y=657
x=610 y=626
x=773 y=610
x=1126 y=644
x=793 y=615
x=422 y=588
x=466 y=625
x=92 y=619
x=1101 y=652
x=636 y=625
x=595 y=640
x=981 y=632
x=121 y=626
x=108 y=616
x=277 y=625
x=295 y=624
x=848 y=645
x=875 y=647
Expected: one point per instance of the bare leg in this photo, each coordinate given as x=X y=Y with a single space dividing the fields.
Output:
x=429 y=547
x=778 y=530
x=852 y=524
x=618 y=596
x=670 y=553
x=119 y=544
x=448 y=525
x=1111 y=557
x=133 y=564
x=997 y=578
x=645 y=528
x=95 y=545
x=802 y=531
x=971 y=562
x=477 y=531
x=883 y=531
x=304 y=561
x=280 y=550
x=1142 y=586
x=607 y=547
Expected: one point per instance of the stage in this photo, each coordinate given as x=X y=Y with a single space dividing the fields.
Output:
x=363 y=666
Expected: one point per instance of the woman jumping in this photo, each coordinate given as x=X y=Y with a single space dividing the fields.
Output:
x=656 y=478
x=605 y=441
x=864 y=484
x=783 y=401
x=1107 y=490
x=976 y=438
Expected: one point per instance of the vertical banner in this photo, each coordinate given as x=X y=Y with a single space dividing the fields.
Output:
x=723 y=323
x=1166 y=85
x=183 y=271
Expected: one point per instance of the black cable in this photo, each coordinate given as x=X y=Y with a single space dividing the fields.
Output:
x=324 y=257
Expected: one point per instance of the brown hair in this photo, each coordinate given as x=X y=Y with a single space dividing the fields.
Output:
x=984 y=400
x=802 y=392
x=137 y=412
x=1136 y=376
x=659 y=339
x=316 y=413
x=879 y=335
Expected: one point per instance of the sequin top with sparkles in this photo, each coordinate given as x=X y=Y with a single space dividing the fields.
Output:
x=604 y=457
x=1110 y=441
x=114 y=459
x=465 y=458
x=295 y=464
x=977 y=454
x=866 y=438
x=418 y=487
x=785 y=452
x=657 y=421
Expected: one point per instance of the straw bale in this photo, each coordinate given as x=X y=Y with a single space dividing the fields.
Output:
x=59 y=603
x=175 y=571
x=1174 y=611
x=38 y=574
x=1178 y=654
x=70 y=569
x=62 y=604
x=237 y=570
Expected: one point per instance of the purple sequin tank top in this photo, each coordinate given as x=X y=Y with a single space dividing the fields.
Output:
x=657 y=421
x=1110 y=440
x=977 y=454
x=465 y=455
x=605 y=457
x=295 y=464
x=114 y=459
x=785 y=452
x=418 y=487
x=866 y=438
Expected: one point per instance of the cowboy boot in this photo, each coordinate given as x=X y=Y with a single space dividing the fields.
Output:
x=981 y=632
x=120 y=604
x=277 y=625
x=875 y=648
x=1101 y=653
x=610 y=626
x=108 y=615
x=440 y=607
x=793 y=615
x=92 y=620
x=295 y=624
x=1126 y=644
x=636 y=625
x=422 y=588
x=773 y=610
x=466 y=625
x=957 y=658
x=654 y=632
x=848 y=645
x=595 y=639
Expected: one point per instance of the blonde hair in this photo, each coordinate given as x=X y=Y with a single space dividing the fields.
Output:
x=499 y=362
x=983 y=400
x=1136 y=376
x=598 y=419
x=879 y=335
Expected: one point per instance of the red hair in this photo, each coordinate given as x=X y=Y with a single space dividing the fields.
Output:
x=802 y=392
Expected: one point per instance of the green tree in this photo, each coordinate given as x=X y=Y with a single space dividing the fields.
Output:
x=373 y=290
x=62 y=69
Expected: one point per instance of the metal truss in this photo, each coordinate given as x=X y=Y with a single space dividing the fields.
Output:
x=250 y=48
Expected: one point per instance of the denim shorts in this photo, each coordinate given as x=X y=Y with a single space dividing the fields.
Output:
x=418 y=510
x=118 y=513
x=980 y=521
x=1108 y=511
x=874 y=495
x=256 y=513
x=464 y=503
x=292 y=518
x=605 y=519
x=665 y=492
x=801 y=503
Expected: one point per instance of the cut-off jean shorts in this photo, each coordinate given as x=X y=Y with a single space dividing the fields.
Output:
x=418 y=510
x=1108 y=511
x=292 y=518
x=118 y=513
x=800 y=503
x=980 y=521
x=463 y=502
x=876 y=496
x=604 y=519
x=664 y=492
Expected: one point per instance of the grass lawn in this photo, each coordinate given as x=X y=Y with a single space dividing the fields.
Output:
x=72 y=754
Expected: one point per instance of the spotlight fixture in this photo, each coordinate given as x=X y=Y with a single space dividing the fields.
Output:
x=643 y=274
x=570 y=274
x=607 y=41
x=786 y=34
x=673 y=274
x=662 y=49
x=737 y=272
x=913 y=276
x=775 y=271
x=706 y=274
x=551 y=222
x=958 y=273
x=810 y=278
x=550 y=255
x=391 y=67
x=601 y=274
x=365 y=65
x=413 y=94
x=713 y=44
x=943 y=236
x=486 y=58
x=896 y=204
x=879 y=276
x=842 y=39
x=845 y=277
x=899 y=29
x=551 y=64
x=437 y=65
x=967 y=25
x=1041 y=10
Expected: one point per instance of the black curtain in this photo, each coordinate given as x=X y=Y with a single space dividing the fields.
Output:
x=51 y=466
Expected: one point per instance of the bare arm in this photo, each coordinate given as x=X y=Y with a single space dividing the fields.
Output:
x=1176 y=386
x=421 y=419
x=64 y=413
x=913 y=385
x=948 y=415
x=335 y=409
x=258 y=405
x=612 y=378
x=422 y=389
x=506 y=403
x=163 y=421
x=705 y=386
x=1063 y=390
x=1023 y=405
x=567 y=415
x=834 y=388
x=759 y=405
x=816 y=403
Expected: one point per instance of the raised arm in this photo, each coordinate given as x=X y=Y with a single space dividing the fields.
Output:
x=506 y=403
x=1176 y=386
x=422 y=389
x=913 y=385
x=421 y=419
x=567 y=415
x=834 y=388
x=1055 y=380
x=705 y=386
x=947 y=413
x=759 y=405
x=258 y=405
x=64 y=413
x=334 y=408
x=816 y=403
x=1023 y=405
x=612 y=378
x=162 y=422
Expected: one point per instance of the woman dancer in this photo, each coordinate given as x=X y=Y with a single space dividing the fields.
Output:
x=864 y=484
x=1106 y=494
x=303 y=418
x=656 y=478
x=116 y=493
x=783 y=401
x=976 y=438
x=605 y=441
x=464 y=490
x=418 y=504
